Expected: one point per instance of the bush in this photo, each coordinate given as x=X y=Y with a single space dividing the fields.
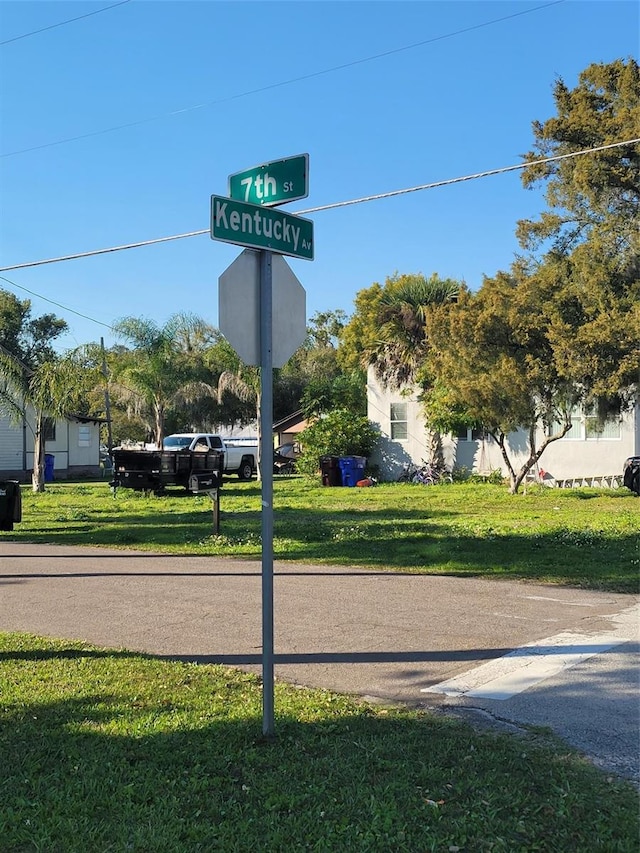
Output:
x=340 y=433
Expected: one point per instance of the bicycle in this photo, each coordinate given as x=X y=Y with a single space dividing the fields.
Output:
x=408 y=473
x=425 y=475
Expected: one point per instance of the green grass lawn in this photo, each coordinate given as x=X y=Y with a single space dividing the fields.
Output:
x=110 y=751
x=105 y=750
x=583 y=537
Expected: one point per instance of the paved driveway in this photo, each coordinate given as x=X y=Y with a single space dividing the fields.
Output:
x=499 y=650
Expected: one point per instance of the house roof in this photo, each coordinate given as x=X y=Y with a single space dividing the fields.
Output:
x=83 y=419
x=295 y=422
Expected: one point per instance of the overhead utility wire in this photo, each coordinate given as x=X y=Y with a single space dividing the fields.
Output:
x=278 y=85
x=62 y=23
x=390 y=194
x=52 y=302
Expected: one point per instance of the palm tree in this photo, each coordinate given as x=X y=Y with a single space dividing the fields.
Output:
x=238 y=379
x=402 y=348
x=150 y=378
x=51 y=389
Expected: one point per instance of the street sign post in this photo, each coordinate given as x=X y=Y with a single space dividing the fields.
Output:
x=258 y=227
x=272 y=183
x=249 y=218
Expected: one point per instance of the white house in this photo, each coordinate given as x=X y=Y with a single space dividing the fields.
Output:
x=73 y=442
x=585 y=455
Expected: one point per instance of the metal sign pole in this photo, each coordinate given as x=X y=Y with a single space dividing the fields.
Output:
x=266 y=472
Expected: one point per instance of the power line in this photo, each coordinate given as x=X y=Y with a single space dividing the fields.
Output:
x=279 y=84
x=57 y=304
x=333 y=206
x=62 y=23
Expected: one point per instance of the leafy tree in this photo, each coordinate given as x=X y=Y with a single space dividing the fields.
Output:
x=28 y=339
x=563 y=326
x=324 y=384
x=400 y=352
x=388 y=327
x=361 y=333
x=339 y=433
x=492 y=366
x=596 y=195
x=344 y=391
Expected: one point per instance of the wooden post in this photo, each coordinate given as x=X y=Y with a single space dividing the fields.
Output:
x=215 y=497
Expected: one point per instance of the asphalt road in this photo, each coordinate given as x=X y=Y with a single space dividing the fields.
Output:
x=496 y=652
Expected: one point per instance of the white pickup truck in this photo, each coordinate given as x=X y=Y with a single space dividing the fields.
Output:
x=240 y=454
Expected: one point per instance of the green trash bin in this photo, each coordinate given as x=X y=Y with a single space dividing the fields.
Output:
x=10 y=504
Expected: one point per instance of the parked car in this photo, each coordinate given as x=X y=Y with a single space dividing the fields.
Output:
x=631 y=474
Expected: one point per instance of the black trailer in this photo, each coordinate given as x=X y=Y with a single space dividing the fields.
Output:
x=154 y=470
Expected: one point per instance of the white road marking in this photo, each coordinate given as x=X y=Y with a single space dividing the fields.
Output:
x=534 y=662
x=562 y=601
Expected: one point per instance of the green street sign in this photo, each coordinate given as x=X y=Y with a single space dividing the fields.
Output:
x=272 y=183
x=261 y=228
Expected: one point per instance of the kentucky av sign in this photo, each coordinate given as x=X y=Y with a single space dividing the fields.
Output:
x=259 y=227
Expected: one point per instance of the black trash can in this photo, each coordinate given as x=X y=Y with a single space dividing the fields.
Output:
x=330 y=470
x=10 y=504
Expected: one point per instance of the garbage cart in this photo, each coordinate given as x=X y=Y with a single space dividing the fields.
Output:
x=10 y=504
x=330 y=470
x=352 y=469
x=49 y=462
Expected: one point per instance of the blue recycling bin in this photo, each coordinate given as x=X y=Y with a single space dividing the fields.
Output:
x=49 y=460
x=352 y=469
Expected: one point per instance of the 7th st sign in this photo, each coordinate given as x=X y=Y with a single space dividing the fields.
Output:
x=259 y=227
x=272 y=183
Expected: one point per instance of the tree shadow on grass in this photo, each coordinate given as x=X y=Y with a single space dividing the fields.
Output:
x=171 y=758
x=416 y=540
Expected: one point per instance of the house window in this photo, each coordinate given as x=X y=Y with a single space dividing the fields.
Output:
x=398 y=417
x=584 y=425
x=576 y=427
x=84 y=436
x=475 y=434
x=49 y=429
x=595 y=430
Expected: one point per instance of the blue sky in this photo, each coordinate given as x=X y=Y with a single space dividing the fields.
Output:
x=213 y=87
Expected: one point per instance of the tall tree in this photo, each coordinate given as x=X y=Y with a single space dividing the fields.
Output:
x=590 y=235
x=562 y=328
x=35 y=383
x=492 y=366
x=52 y=389
x=323 y=383
x=27 y=338
x=597 y=195
x=392 y=333
x=150 y=375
